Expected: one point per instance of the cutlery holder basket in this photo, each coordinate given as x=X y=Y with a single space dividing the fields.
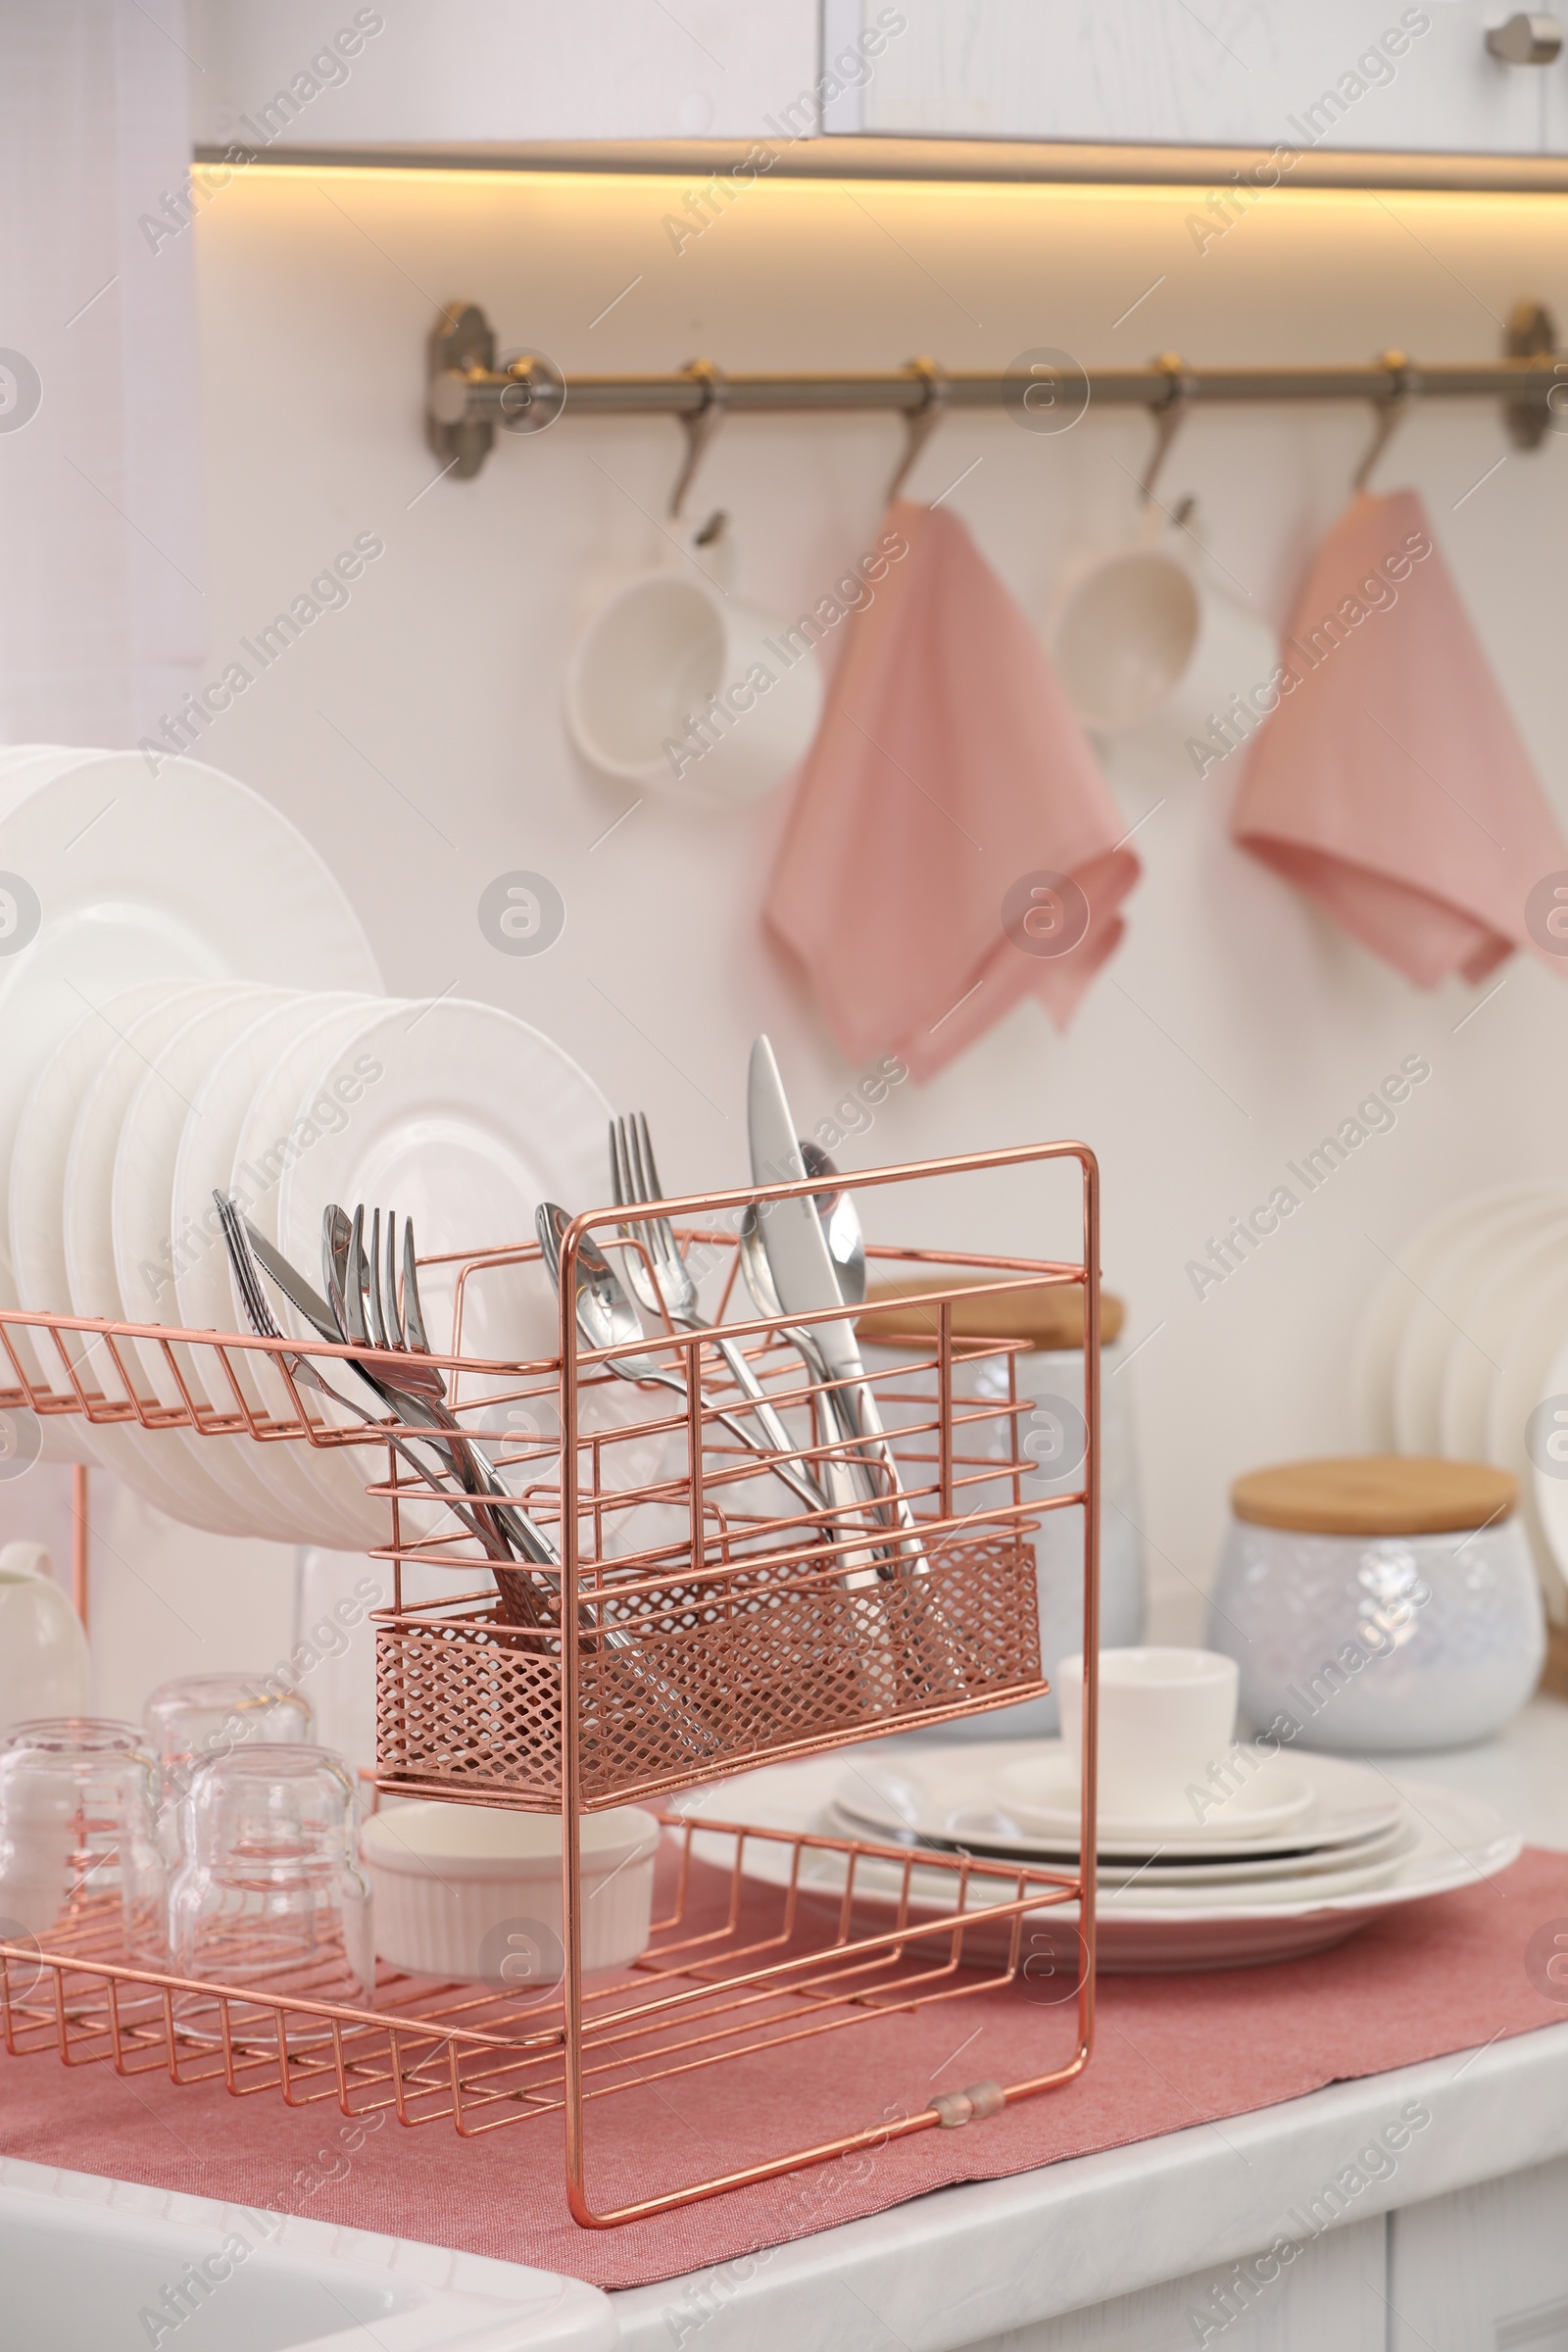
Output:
x=721 y=1622
x=722 y=1674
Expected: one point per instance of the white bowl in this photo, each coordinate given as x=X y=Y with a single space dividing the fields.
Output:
x=473 y=1891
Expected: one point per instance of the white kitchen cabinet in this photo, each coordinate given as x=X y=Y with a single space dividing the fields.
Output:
x=1485 y=2270
x=1330 y=2300
x=1225 y=73
x=1343 y=74
x=446 y=72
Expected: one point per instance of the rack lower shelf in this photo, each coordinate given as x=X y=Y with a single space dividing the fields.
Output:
x=733 y=1969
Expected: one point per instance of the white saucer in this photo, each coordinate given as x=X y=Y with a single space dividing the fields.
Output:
x=1041 y=1792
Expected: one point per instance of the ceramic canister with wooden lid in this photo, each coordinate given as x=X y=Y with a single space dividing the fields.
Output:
x=1384 y=1602
x=1050 y=1436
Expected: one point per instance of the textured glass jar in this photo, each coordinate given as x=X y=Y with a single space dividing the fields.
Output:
x=1050 y=1436
x=1380 y=1642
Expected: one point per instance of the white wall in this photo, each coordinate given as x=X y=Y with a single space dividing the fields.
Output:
x=1234 y=1028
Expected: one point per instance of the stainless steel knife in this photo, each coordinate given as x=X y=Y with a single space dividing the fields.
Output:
x=806 y=1280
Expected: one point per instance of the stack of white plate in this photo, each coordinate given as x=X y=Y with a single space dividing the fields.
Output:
x=1312 y=1850
x=188 y=1004
x=1464 y=1339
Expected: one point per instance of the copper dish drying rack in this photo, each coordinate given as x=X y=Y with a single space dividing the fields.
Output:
x=718 y=1625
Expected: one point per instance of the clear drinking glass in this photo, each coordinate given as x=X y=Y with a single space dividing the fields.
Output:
x=270 y=1896
x=79 y=1857
x=200 y=1717
x=94 y=1733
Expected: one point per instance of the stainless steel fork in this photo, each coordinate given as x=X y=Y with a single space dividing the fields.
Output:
x=370 y=1301
x=367 y=1313
x=519 y=1598
x=673 y=1287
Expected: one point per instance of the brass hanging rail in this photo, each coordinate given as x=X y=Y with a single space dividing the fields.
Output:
x=469 y=395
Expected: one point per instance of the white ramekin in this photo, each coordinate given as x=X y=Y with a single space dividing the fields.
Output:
x=473 y=1891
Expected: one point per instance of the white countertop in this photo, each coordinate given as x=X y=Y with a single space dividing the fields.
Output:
x=970 y=2262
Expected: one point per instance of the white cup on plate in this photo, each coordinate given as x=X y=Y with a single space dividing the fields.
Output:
x=1166 y=1716
x=676 y=685
x=1145 y=637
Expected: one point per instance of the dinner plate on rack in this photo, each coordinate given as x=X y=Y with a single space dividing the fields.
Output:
x=169 y=1466
x=148 y=1245
x=324 y=1485
x=466 y=1118
x=36 y=1275
x=187 y=875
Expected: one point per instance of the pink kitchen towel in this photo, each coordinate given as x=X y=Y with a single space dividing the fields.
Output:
x=954 y=845
x=1390 y=784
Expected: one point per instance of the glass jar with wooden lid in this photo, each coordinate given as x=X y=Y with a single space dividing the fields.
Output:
x=1379 y=1601
x=1051 y=1435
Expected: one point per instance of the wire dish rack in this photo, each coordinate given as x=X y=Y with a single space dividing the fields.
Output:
x=703 y=1619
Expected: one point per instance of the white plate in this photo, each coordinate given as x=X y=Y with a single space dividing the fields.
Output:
x=305 y=1484
x=1550 y=1495
x=471 y=1120
x=39 y=1279
x=148 y=1245
x=1517 y=1387
x=1475 y=1353
x=187 y=874
x=1456 y=1842
x=1219 y=1868
x=1440 y=1315
x=325 y=1485
x=1042 y=1794
x=167 y=1466
x=464 y=1119
x=1257 y=1883
x=1348 y=1805
x=1397 y=1293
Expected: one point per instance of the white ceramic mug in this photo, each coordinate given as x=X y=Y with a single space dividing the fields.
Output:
x=676 y=685
x=1166 y=1716
x=1145 y=637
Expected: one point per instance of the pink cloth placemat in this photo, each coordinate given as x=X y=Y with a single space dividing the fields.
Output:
x=1172 y=2051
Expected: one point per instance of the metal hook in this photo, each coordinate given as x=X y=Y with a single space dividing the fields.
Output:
x=699 y=428
x=1393 y=405
x=1170 y=412
x=920 y=423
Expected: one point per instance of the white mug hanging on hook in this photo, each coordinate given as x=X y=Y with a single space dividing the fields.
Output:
x=1151 y=635
x=676 y=684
